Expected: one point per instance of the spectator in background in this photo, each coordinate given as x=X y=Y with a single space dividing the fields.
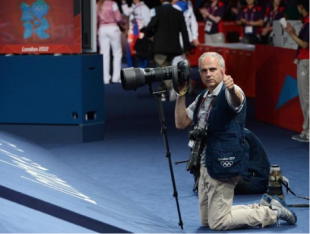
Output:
x=190 y=19
x=264 y=4
x=139 y=17
x=165 y=26
x=109 y=16
x=251 y=18
x=291 y=12
x=274 y=11
x=231 y=10
x=242 y=4
x=302 y=60
x=192 y=28
x=213 y=11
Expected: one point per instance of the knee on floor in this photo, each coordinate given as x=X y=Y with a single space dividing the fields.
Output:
x=217 y=226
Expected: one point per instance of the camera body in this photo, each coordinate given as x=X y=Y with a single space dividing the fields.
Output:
x=198 y=133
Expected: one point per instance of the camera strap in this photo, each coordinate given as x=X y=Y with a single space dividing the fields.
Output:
x=208 y=110
x=201 y=100
x=285 y=183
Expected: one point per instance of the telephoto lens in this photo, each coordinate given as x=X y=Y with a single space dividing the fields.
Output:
x=133 y=78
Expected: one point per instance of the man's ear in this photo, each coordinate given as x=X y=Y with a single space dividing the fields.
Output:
x=223 y=71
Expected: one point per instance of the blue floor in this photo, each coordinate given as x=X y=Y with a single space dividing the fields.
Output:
x=127 y=174
x=132 y=161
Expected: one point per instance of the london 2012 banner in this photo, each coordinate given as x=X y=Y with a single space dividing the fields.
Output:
x=40 y=27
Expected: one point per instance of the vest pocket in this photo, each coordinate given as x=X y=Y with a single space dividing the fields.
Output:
x=223 y=164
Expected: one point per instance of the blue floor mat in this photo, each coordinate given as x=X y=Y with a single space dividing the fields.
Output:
x=128 y=172
x=132 y=160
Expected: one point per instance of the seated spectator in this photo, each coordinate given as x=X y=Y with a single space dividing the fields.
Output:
x=275 y=11
x=251 y=18
x=213 y=11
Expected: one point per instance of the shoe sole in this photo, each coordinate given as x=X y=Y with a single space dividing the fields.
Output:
x=300 y=140
x=282 y=203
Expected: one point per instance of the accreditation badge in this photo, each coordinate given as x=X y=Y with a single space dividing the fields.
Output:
x=248 y=29
x=208 y=26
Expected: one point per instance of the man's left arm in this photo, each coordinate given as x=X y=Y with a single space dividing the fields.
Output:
x=236 y=97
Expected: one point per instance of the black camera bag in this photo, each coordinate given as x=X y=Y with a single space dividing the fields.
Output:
x=144 y=48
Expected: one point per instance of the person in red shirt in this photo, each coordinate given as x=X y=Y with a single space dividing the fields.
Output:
x=302 y=60
x=251 y=18
x=213 y=11
x=273 y=12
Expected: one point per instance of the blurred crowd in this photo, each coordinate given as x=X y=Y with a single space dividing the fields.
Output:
x=155 y=31
x=166 y=32
x=255 y=17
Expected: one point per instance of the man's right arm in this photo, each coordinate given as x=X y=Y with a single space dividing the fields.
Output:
x=181 y=118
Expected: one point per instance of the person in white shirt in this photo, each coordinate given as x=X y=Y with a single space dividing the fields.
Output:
x=190 y=19
x=138 y=11
x=139 y=17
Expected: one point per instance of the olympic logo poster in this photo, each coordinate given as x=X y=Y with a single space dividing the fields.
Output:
x=40 y=27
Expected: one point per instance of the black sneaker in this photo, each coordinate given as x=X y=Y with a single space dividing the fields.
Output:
x=301 y=137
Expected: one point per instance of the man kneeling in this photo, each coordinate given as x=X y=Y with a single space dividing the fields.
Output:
x=220 y=113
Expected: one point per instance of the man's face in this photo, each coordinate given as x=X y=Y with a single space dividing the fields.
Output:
x=211 y=73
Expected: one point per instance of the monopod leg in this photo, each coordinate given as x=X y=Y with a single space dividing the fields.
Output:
x=157 y=96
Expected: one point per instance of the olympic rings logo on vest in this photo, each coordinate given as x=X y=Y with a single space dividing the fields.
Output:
x=227 y=163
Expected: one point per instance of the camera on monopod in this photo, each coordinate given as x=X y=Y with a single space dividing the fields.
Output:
x=133 y=78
